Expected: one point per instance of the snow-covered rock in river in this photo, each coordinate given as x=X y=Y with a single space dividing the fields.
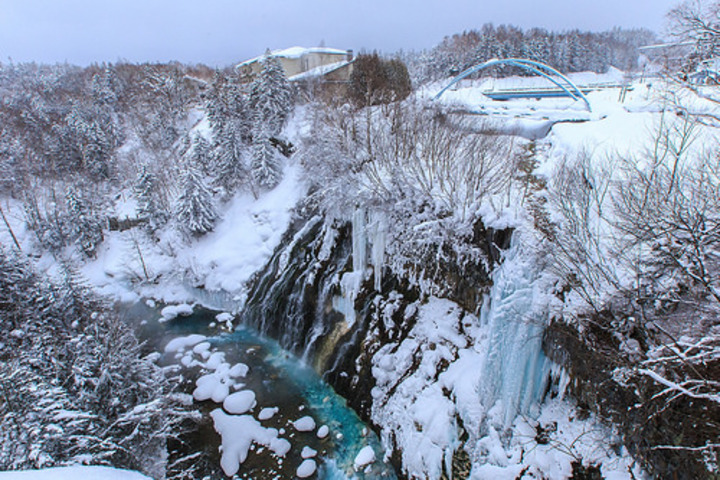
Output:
x=323 y=431
x=240 y=402
x=181 y=344
x=306 y=469
x=365 y=457
x=267 y=413
x=173 y=311
x=238 y=434
x=308 y=452
x=304 y=424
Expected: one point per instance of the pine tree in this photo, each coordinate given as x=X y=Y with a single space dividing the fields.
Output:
x=201 y=155
x=73 y=385
x=271 y=97
x=195 y=210
x=230 y=122
x=85 y=226
x=150 y=207
x=266 y=167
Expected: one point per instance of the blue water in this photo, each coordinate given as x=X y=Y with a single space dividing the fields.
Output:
x=280 y=379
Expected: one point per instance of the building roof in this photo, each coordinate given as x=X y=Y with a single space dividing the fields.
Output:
x=320 y=71
x=295 y=52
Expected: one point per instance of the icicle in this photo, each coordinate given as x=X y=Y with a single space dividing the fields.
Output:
x=377 y=254
x=351 y=282
x=359 y=241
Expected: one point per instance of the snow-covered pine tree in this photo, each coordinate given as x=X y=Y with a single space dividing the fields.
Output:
x=266 y=167
x=271 y=96
x=195 y=207
x=230 y=122
x=94 y=132
x=230 y=170
x=86 y=227
x=200 y=151
x=73 y=385
x=150 y=207
x=102 y=87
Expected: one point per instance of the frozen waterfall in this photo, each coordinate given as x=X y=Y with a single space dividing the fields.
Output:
x=515 y=370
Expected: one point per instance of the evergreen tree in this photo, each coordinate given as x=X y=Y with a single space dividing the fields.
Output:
x=200 y=151
x=229 y=118
x=195 y=210
x=85 y=225
x=266 y=167
x=103 y=88
x=271 y=96
x=73 y=385
x=229 y=160
x=150 y=207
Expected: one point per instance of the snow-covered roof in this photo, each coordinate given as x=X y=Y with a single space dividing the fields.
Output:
x=320 y=70
x=296 y=52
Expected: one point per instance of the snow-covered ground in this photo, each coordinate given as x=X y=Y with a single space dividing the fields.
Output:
x=74 y=473
x=221 y=261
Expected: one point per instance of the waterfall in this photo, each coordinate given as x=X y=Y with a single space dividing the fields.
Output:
x=515 y=370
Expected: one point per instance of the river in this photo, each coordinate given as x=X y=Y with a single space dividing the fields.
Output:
x=278 y=380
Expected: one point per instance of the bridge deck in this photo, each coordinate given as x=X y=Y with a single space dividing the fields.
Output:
x=543 y=92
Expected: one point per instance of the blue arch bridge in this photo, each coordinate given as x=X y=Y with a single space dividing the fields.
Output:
x=565 y=86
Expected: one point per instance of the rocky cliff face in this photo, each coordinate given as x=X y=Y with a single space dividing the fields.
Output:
x=593 y=362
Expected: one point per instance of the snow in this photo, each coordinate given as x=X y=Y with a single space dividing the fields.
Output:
x=247 y=235
x=173 y=311
x=181 y=344
x=295 y=52
x=319 y=71
x=238 y=434
x=308 y=452
x=239 y=370
x=304 y=424
x=306 y=469
x=73 y=473
x=240 y=402
x=267 y=413
x=365 y=457
x=212 y=386
x=222 y=261
x=491 y=375
x=323 y=431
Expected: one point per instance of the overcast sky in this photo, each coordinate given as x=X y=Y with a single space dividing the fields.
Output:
x=220 y=32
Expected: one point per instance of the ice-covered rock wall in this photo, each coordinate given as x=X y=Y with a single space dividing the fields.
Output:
x=456 y=377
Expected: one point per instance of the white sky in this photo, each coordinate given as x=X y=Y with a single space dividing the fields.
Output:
x=220 y=32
